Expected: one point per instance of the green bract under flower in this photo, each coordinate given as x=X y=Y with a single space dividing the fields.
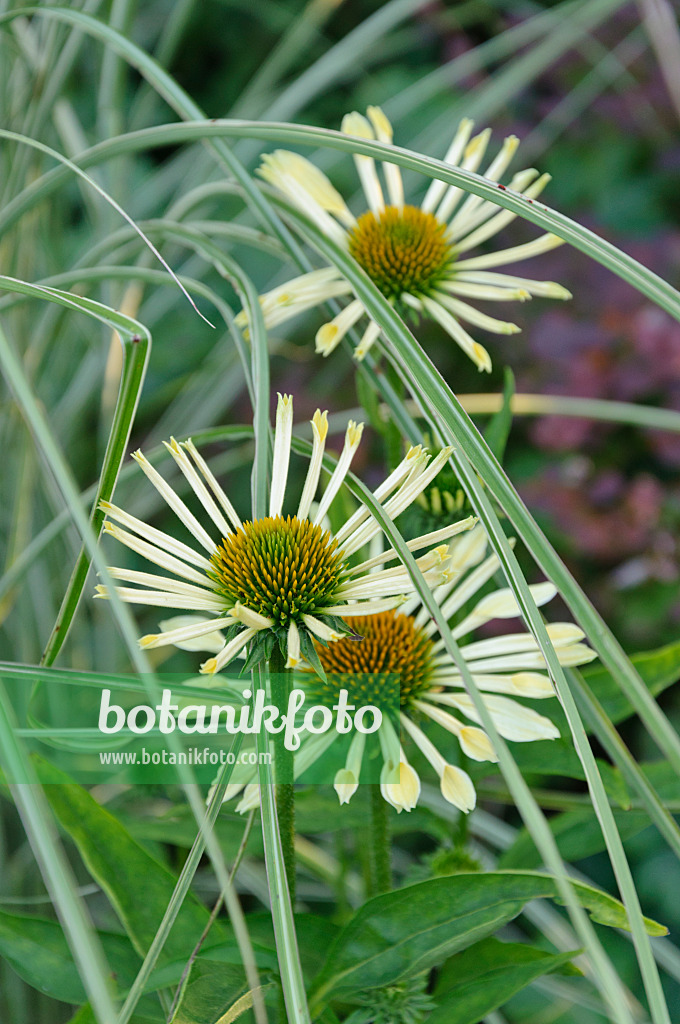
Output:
x=279 y=581
x=417 y=256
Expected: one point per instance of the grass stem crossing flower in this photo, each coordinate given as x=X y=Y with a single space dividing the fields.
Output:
x=284 y=579
x=417 y=256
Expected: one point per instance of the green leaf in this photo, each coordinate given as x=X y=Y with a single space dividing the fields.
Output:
x=38 y=951
x=658 y=669
x=577 y=833
x=400 y=934
x=485 y=976
x=498 y=429
x=138 y=886
x=210 y=989
x=558 y=757
x=149 y=1015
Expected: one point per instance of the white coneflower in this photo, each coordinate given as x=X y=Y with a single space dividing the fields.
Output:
x=416 y=255
x=404 y=641
x=282 y=580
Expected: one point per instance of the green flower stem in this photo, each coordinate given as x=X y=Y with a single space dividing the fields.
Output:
x=290 y=970
x=381 y=869
x=284 y=771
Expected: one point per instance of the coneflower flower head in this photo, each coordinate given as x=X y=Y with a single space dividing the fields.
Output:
x=415 y=255
x=282 y=580
x=402 y=649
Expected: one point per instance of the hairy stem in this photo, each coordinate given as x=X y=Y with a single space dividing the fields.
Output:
x=381 y=871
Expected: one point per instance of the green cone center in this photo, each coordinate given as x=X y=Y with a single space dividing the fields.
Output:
x=281 y=568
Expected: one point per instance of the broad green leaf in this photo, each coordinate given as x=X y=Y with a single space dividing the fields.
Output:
x=485 y=976
x=211 y=988
x=38 y=951
x=558 y=757
x=577 y=833
x=400 y=934
x=146 y=1016
x=138 y=886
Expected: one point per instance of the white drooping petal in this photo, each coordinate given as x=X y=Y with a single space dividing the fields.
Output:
x=345 y=785
x=320 y=629
x=222 y=499
x=175 y=502
x=189 y=633
x=167 y=583
x=365 y=607
x=424 y=541
x=228 y=652
x=476 y=352
x=402 y=795
x=347 y=779
x=209 y=643
x=502 y=604
x=249 y=617
x=282 y=438
x=532 y=684
x=456 y=787
x=455 y=784
x=319 y=431
x=561 y=634
x=476 y=744
x=250 y=800
x=464 y=311
x=515 y=254
x=293 y=645
x=283 y=163
x=154 y=540
x=383 y=133
x=356 y=124
x=198 y=487
x=330 y=334
x=492 y=293
x=453 y=156
x=162 y=599
x=276 y=168
x=488 y=279
x=513 y=721
x=368 y=340
x=352 y=442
